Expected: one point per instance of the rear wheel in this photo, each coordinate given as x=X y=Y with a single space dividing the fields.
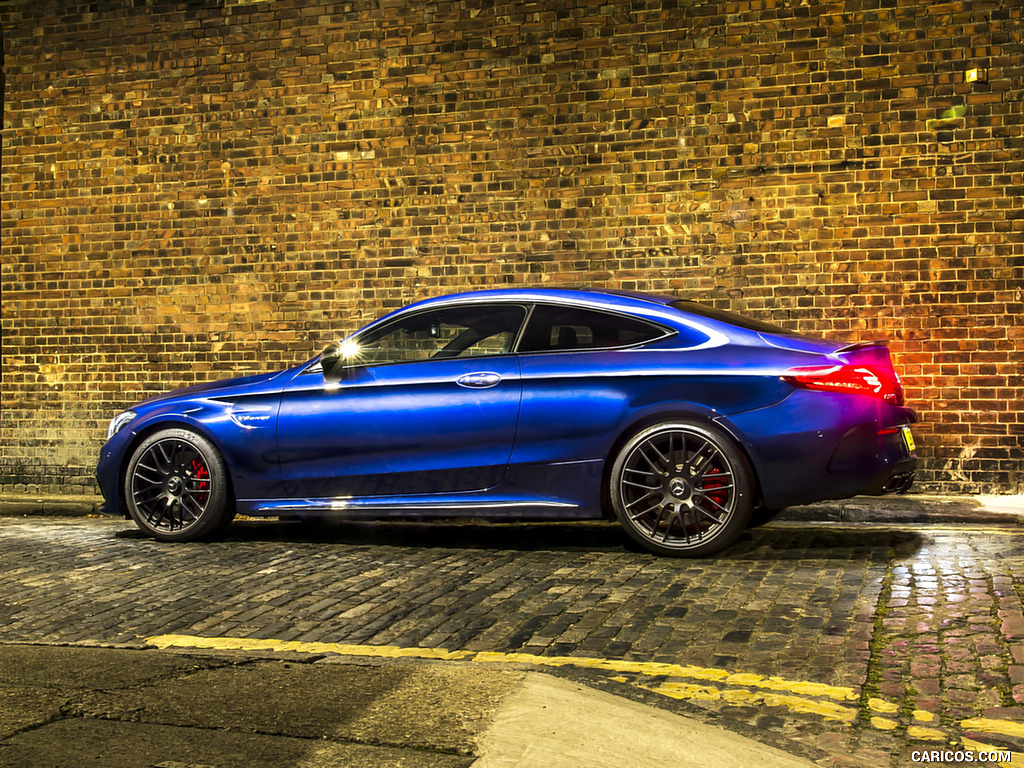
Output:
x=176 y=487
x=682 y=489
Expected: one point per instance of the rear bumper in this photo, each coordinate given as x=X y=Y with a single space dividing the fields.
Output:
x=816 y=446
x=878 y=454
x=898 y=465
x=895 y=479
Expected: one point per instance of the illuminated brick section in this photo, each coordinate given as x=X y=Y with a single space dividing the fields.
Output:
x=198 y=189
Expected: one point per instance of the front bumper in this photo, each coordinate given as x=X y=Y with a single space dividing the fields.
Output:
x=108 y=471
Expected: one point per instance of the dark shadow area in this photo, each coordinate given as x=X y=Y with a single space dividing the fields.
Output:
x=818 y=542
x=765 y=543
x=458 y=534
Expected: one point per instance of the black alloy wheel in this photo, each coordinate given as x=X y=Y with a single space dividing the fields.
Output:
x=682 y=489
x=176 y=487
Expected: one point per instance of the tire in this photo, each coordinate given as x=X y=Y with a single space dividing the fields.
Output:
x=682 y=489
x=176 y=487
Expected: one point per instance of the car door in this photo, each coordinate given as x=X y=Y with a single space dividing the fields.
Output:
x=569 y=356
x=428 y=404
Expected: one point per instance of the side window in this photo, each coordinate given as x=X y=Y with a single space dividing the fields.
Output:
x=553 y=328
x=469 y=331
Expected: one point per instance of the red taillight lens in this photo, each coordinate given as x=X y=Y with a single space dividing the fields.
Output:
x=855 y=379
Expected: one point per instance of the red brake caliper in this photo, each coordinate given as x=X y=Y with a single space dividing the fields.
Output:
x=200 y=472
x=717 y=480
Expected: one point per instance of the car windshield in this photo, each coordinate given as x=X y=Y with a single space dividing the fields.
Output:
x=703 y=310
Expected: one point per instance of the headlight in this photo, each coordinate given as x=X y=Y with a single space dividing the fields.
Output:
x=118 y=422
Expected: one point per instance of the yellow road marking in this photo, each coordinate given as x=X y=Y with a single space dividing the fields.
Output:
x=880 y=705
x=1016 y=758
x=741 y=696
x=995 y=529
x=1009 y=528
x=648 y=668
x=686 y=691
x=999 y=727
x=295 y=646
x=925 y=734
x=769 y=691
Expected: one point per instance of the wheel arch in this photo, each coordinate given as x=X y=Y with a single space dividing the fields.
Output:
x=704 y=416
x=153 y=428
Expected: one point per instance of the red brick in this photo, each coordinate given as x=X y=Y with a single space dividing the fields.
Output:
x=191 y=195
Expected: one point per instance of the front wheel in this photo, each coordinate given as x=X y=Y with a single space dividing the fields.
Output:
x=176 y=487
x=682 y=489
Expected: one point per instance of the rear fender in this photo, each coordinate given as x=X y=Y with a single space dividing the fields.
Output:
x=692 y=412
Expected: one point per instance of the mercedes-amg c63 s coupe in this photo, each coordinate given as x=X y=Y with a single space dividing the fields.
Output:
x=686 y=423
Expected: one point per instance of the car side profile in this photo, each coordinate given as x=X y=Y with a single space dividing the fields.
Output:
x=684 y=422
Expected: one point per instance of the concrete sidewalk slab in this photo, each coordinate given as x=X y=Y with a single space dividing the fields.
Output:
x=547 y=722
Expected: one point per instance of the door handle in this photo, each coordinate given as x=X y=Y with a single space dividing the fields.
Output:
x=480 y=380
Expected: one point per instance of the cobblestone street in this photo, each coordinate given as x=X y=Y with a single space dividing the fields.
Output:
x=850 y=645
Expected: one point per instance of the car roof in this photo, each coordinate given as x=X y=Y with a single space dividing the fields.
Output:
x=653 y=306
x=605 y=297
x=672 y=311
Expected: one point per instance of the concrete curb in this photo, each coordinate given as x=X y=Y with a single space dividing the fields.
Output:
x=908 y=508
x=50 y=504
x=913 y=508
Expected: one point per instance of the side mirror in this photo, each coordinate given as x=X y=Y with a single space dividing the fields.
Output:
x=339 y=360
x=330 y=360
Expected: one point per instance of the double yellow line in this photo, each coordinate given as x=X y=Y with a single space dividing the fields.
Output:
x=678 y=681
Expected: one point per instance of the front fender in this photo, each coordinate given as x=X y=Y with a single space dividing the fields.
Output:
x=243 y=428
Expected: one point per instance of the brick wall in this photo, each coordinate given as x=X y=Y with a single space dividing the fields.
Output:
x=193 y=189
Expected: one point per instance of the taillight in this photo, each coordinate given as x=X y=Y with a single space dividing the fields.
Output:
x=874 y=381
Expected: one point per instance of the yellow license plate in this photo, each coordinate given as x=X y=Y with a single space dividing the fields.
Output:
x=908 y=438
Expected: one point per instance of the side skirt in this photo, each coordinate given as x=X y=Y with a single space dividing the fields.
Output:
x=567 y=490
x=377 y=507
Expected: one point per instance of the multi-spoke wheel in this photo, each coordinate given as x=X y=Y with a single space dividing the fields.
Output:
x=176 y=487
x=681 y=489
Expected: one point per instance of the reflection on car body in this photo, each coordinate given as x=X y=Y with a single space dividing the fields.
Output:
x=684 y=422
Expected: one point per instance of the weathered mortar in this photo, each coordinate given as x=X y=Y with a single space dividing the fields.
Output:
x=199 y=189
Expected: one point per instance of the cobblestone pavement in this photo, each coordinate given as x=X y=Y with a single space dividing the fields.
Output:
x=852 y=645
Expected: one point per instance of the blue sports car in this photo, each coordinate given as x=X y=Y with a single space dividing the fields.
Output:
x=686 y=423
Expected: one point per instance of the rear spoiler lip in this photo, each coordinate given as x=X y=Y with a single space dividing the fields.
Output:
x=862 y=345
x=847 y=353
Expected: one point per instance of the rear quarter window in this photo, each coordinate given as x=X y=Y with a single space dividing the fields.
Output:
x=556 y=328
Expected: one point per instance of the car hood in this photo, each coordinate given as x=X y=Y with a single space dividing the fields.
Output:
x=211 y=388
